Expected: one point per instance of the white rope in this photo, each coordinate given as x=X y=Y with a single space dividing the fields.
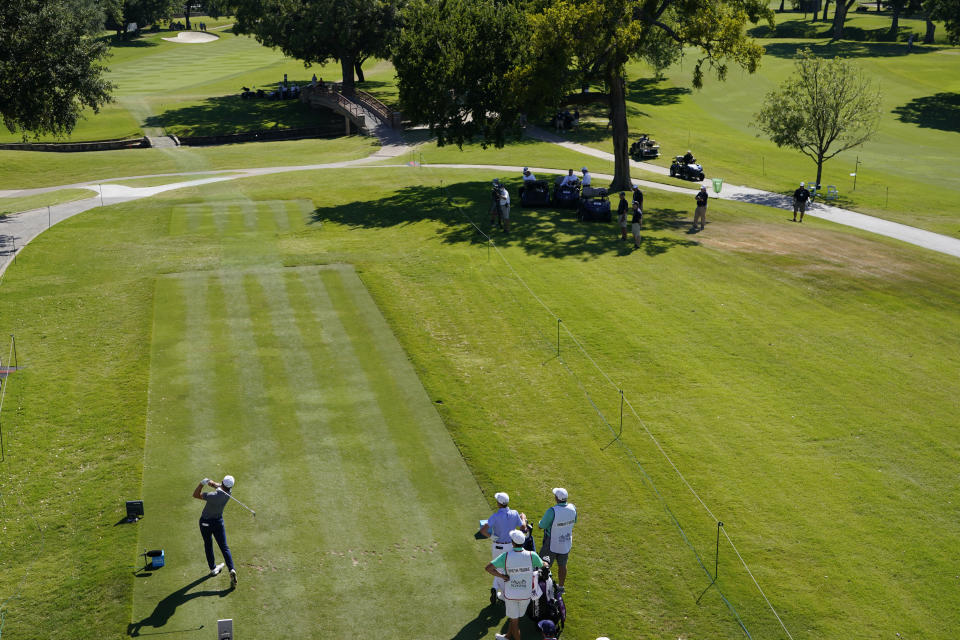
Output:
x=757 y=584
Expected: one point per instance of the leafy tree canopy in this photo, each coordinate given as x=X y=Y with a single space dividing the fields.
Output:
x=50 y=67
x=825 y=107
x=544 y=49
x=315 y=31
x=949 y=12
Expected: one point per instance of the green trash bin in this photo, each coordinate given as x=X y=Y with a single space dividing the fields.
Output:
x=717 y=184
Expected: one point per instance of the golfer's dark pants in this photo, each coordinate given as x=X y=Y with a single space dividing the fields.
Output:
x=211 y=529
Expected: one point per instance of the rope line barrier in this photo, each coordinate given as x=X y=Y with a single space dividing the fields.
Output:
x=626 y=448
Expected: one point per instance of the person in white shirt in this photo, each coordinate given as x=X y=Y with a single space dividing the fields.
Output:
x=528 y=175
x=586 y=177
x=569 y=179
x=557 y=524
x=518 y=570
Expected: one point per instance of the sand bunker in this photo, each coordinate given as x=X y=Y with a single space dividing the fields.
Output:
x=193 y=37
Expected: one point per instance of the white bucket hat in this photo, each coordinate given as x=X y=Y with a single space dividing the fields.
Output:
x=560 y=493
x=502 y=498
x=518 y=536
x=228 y=482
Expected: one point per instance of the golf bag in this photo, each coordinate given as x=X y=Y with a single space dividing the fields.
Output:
x=549 y=606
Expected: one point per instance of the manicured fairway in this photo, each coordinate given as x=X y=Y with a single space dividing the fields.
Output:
x=800 y=376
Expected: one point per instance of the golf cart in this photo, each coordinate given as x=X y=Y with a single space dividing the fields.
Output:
x=594 y=205
x=680 y=169
x=644 y=148
x=535 y=193
x=566 y=196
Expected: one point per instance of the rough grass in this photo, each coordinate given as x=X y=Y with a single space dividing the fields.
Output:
x=800 y=377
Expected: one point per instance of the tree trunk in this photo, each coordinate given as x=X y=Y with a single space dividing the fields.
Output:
x=780 y=10
x=895 y=24
x=815 y=10
x=840 y=17
x=826 y=6
x=346 y=68
x=928 y=37
x=621 y=142
x=186 y=14
x=819 y=171
x=358 y=67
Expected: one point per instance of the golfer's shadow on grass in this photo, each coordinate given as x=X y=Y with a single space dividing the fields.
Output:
x=168 y=606
x=490 y=616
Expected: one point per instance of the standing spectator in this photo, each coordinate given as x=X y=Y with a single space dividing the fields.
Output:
x=557 y=524
x=211 y=523
x=800 y=197
x=498 y=527
x=516 y=568
x=313 y=81
x=700 y=213
x=496 y=215
x=637 y=223
x=528 y=179
x=622 y=216
x=576 y=118
x=637 y=196
x=585 y=181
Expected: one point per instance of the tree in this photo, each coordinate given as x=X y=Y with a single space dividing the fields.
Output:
x=50 y=69
x=840 y=17
x=949 y=12
x=452 y=60
x=550 y=48
x=897 y=6
x=142 y=12
x=826 y=107
x=315 y=31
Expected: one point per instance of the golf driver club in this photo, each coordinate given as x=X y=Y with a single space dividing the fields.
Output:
x=238 y=502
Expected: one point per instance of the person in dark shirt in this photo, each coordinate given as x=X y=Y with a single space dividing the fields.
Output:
x=688 y=158
x=700 y=213
x=637 y=196
x=622 y=216
x=211 y=523
x=800 y=197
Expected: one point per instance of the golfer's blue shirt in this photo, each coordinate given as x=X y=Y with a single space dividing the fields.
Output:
x=214 y=502
x=502 y=522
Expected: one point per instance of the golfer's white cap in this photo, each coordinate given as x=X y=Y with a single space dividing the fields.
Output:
x=560 y=493
x=228 y=482
x=502 y=498
x=518 y=536
x=801 y=184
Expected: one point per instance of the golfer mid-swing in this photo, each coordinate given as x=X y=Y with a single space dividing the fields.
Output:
x=211 y=523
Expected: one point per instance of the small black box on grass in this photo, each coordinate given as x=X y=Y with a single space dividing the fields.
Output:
x=134 y=510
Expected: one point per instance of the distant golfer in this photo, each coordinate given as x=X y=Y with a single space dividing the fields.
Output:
x=557 y=524
x=700 y=213
x=211 y=523
x=498 y=526
x=517 y=569
x=800 y=197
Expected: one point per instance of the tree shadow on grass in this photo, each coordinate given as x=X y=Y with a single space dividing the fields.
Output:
x=223 y=115
x=655 y=92
x=939 y=111
x=463 y=211
x=168 y=606
x=846 y=49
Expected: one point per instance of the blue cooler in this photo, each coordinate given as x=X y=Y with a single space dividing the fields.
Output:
x=157 y=561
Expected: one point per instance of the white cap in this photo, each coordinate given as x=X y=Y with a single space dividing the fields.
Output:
x=502 y=498
x=228 y=481
x=635 y=185
x=518 y=536
x=703 y=188
x=801 y=184
x=560 y=493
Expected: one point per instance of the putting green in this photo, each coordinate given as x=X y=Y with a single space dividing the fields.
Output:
x=291 y=380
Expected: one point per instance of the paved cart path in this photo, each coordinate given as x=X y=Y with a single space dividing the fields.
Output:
x=16 y=230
